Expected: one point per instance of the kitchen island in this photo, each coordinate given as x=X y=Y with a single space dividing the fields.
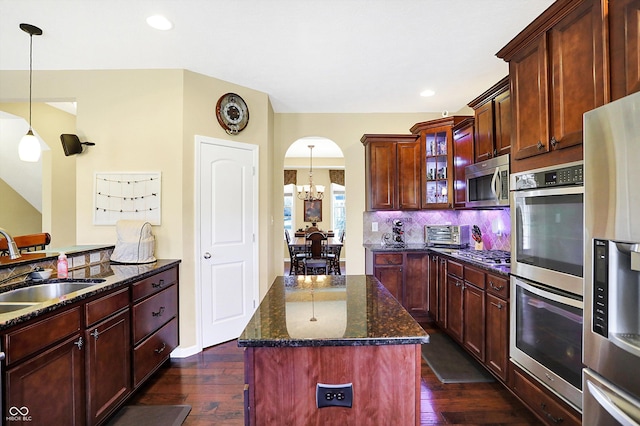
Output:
x=341 y=343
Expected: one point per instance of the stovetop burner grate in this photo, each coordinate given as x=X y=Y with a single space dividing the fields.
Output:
x=494 y=257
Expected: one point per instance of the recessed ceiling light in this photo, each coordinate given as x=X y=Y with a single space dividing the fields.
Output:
x=427 y=93
x=159 y=22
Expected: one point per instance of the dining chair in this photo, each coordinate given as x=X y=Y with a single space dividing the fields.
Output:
x=316 y=259
x=296 y=256
x=333 y=259
x=26 y=243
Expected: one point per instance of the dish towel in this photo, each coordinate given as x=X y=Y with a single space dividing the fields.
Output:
x=135 y=242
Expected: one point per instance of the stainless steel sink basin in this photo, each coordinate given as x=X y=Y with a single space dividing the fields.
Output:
x=43 y=292
x=13 y=307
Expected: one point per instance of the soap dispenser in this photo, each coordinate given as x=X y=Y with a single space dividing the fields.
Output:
x=63 y=266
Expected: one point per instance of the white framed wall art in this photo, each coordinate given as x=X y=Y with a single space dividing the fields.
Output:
x=127 y=195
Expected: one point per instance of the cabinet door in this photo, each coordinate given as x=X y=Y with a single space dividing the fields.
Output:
x=577 y=83
x=108 y=365
x=473 y=321
x=409 y=172
x=454 y=307
x=528 y=73
x=484 y=132
x=502 y=121
x=463 y=140
x=50 y=385
x=391 y=278
x=416 y=295
x=438 y=143
x=497 y=352
x=624 y=41
x=433 y=287
x=382 y=171
x=442 y=294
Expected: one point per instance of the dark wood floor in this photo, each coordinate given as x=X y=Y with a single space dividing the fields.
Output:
x=212 y=383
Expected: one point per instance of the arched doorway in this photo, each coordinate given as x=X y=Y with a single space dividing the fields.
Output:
x=326 y=164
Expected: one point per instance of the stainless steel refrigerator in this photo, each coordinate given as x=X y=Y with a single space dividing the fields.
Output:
x=611 y=333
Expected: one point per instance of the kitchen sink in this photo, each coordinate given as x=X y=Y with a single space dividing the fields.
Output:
x=4 y=308
x=43 y=292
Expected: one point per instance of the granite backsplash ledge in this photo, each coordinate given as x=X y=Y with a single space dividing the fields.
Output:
x=495 y=225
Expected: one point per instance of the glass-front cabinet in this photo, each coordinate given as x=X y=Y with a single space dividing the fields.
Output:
x=436 y=137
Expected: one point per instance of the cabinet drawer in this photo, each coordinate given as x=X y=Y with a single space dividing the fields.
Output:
x=474 y=276
x=454 y=268
x=154 y=284
x=543 y=405
x=388 y=259
x=154 y=351
x=498 y=285
x=150 y=314
x=106 y=306
x=29 y=339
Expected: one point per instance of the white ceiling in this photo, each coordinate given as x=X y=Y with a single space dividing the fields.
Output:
x=307 y=55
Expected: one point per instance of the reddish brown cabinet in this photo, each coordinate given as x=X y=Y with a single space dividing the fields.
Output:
x=492 y=111
x=624 y=41
x=393 y=169
x=557 y=73
x=473 y=331
x=455 y=300
x=463 y=140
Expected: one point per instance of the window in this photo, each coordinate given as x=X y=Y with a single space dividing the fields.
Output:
x=338 y=210
x=289 y=208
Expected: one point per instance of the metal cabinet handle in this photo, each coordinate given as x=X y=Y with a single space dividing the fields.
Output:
x=497 y=305
x=540 y=146
x=159 y=313
x=158 y=284
x=2 y=356
x=207 y=255
x=489 y=154
x=495 y=287
x=549 y=415
x=95 y=333
x=159 y=351
x=553 y=141
x=79 y=343
x=458 y=284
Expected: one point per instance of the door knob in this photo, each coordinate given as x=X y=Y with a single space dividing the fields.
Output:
x=207 y=255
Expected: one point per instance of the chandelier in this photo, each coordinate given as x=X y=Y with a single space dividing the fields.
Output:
x=310 y=192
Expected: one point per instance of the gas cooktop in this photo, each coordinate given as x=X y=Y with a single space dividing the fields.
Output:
x=489 y=257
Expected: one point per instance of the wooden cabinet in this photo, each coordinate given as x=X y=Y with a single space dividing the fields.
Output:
x=556 y=71
x=47 y=356
x=492 y=110
x=436 y=288
x=473 y=331
x=108 y=354
x=463 y=156
x=393 y=172
x=542 y=402
x=405 y=275
x=624 y=42
x=436 y=139
x=155 y=322
x=455 y=299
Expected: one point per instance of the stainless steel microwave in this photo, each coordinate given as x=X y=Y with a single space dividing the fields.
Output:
x=488 y=183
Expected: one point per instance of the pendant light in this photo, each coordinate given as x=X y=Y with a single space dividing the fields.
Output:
x=311 y=192
x=29 y=146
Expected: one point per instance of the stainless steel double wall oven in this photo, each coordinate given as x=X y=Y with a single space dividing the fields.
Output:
x=547 y=261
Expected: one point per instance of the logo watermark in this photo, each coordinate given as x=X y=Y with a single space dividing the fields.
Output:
x=18 y=414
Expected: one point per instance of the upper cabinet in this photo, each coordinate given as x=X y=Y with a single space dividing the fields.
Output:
x=492 y=112
x=557 y=73
x=463 y=156
x=436 y=138
x=624 y=39
x=392 y=172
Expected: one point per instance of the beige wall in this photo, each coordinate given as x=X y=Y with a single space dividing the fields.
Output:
x=17 y=215
x=58 y=172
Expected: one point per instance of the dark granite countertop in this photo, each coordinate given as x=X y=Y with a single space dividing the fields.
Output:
x=113 y=275
x=347 y=310
x=503 y=270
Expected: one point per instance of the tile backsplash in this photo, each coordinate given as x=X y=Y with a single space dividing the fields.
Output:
x=494 y=224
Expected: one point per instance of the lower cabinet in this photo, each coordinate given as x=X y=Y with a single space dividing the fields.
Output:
x=405 y=275
x=74 y=366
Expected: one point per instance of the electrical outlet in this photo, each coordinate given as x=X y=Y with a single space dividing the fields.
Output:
x=374 y=226
x=334 y=395
x=94 y=258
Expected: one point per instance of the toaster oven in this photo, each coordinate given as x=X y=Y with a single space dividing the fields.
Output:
x=446 y=235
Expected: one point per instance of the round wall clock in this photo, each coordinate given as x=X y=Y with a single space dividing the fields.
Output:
x=232 y=113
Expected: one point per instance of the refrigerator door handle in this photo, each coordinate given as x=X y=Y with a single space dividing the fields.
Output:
x=621 y=409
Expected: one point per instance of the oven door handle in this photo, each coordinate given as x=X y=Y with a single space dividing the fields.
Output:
x=622 y=410
x=495 y=184
x=548 y=293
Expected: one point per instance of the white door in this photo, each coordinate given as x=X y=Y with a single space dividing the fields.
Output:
x=228 y=255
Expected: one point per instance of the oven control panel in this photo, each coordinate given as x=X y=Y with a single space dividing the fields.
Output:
x=571 y=175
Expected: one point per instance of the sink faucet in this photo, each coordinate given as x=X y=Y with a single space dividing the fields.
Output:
x=14 y=253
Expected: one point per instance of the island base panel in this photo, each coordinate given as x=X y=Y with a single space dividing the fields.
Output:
x=282 y=384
